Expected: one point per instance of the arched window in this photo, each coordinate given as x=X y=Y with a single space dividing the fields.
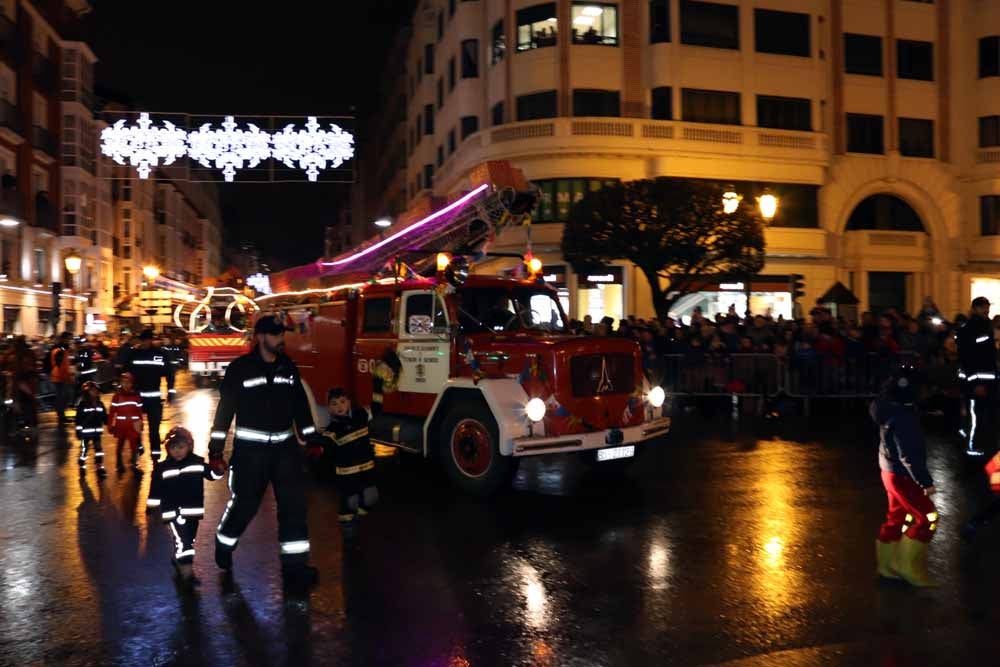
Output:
x=886 y=213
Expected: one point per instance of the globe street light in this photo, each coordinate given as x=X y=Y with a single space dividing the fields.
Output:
x=768 y=204
x=73 y=262
x=8 y=221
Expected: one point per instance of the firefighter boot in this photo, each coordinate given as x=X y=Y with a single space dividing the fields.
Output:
x=885 y=554
x=223 y=556
x=911 y=563
x=299 y=578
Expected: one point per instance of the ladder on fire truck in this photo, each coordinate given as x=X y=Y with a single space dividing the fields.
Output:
x=497 y=196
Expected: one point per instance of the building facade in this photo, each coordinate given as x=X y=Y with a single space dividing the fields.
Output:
x=876 y=122
x=70 y=199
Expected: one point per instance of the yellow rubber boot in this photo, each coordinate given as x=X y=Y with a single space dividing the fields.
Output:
x=911 y=563
x=885 y=555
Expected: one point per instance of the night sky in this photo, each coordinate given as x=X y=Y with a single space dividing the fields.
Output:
x=223 y=57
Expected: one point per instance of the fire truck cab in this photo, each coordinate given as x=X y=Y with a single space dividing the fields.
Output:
x=477 y=374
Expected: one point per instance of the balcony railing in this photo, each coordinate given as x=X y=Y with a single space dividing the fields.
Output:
x=41 y=139
x=8 y=117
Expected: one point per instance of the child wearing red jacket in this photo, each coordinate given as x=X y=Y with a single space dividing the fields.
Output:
x=125 y=419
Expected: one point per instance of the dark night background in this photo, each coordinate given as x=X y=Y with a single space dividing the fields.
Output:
x=243 y=58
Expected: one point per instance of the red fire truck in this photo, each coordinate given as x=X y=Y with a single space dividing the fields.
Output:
x=215 y=326
x=476 y=371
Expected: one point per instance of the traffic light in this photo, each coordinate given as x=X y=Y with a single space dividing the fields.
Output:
x=798 y=286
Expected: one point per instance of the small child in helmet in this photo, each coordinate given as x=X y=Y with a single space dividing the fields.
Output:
x=901 y=548
x=90 y=419
x=178 y=490
x=125 y=419
x=346 y=439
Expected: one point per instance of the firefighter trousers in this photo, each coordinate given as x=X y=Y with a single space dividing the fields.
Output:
x=910 y=513
x=183 y=529
x=253 y=467
x=85 y=445
x=979 y=428
x=153 y=407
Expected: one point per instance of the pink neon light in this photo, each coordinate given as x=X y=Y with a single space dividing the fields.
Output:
x=433 y=216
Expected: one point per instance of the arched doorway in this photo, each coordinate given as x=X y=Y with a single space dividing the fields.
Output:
x=888 y=241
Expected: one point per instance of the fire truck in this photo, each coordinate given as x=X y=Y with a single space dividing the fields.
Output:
x=216 y=331
x=473 y=370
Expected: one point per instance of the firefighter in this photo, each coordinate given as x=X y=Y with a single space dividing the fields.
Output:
x=125 y=419
x=178 y=491
x=148 y=365
x=90 y=420
x=977 y=376
x=911 y=520
x=86 y=368
x=346 y=439
x=264 y=392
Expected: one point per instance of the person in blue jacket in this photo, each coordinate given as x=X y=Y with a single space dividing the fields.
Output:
x=911 y=521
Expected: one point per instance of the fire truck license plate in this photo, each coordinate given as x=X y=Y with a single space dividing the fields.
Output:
x=612 y=453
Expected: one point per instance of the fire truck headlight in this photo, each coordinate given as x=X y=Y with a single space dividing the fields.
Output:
x=535 y=409
x=656 y=396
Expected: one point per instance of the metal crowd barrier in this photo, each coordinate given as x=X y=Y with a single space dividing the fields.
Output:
x=759 y=376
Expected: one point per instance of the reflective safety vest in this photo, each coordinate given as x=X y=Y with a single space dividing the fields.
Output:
x=60 y=371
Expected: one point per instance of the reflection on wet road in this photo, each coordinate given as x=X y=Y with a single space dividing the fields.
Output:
x=752 y=551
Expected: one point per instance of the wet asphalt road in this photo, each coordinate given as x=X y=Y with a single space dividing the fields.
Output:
x=750 y=551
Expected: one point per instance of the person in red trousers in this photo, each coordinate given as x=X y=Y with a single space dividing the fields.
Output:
x=910 y=523
x=125 y=419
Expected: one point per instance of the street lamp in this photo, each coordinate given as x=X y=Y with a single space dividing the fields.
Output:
x=730 y=202
x=8 y=221
x=383 y=223
x=73 y=262
x=768 y=204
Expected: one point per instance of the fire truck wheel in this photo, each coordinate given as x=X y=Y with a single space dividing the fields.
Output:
x=470 y=450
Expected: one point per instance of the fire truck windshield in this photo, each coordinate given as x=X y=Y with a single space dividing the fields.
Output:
x=516 y=308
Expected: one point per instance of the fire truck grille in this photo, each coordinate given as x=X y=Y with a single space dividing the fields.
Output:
x=597 y=374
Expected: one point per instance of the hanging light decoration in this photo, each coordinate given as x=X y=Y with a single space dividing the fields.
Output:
x=143 y=145
x=313 y=147
x=230 y=147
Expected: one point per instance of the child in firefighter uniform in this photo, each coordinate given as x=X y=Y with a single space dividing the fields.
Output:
x=346 y=438
x=90 y=420
x=901 y=548
x=178 y=491
x=125 y=419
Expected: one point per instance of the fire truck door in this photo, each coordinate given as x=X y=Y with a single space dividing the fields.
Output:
x=424 y=344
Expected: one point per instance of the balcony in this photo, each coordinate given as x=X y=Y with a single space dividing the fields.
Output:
x=10 y=123
x=657 y=147
x=42 y=140
x=43 y=73
x=84 y=96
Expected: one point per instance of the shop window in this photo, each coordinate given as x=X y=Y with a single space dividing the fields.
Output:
x=989 y=131
x=496 y=114
x=595 y=23
x=989 y=57
x=537 y=27
x=863 y=54
x=710 y=106
x=378 y=315
x=498 y=43
x=989 y=215
x=916 y=137
x=663 y=103
x=537 y=105
x=470 y=58
x=557 y=196
x=865 y=133
x=659 y=21
x=470 y=125
x=784 y=33
x=596 y=103
x=915 y=60
x=710 y=24
x=784 y=113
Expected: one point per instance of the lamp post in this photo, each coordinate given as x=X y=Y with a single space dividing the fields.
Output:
x=767 y=203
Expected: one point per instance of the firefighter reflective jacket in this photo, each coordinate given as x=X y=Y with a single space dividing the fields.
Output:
x=148 y=367
x=178 y=487
x=901 y=447
x=125 y=417
x=267 y=399
x=86 y=369
x=977 y=355
x=90 y=418
x=346 y=438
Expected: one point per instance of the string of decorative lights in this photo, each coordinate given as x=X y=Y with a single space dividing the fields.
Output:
x=145 y=145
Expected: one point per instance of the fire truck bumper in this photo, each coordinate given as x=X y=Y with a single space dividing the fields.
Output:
x=578 y=442
x=210 y=368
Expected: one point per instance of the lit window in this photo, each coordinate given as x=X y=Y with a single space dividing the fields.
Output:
x=536 y=27
x=595 y=24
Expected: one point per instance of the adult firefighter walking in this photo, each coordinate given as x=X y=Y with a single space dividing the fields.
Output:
x=978 y=378
x=148 y=365
x=264 y=392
